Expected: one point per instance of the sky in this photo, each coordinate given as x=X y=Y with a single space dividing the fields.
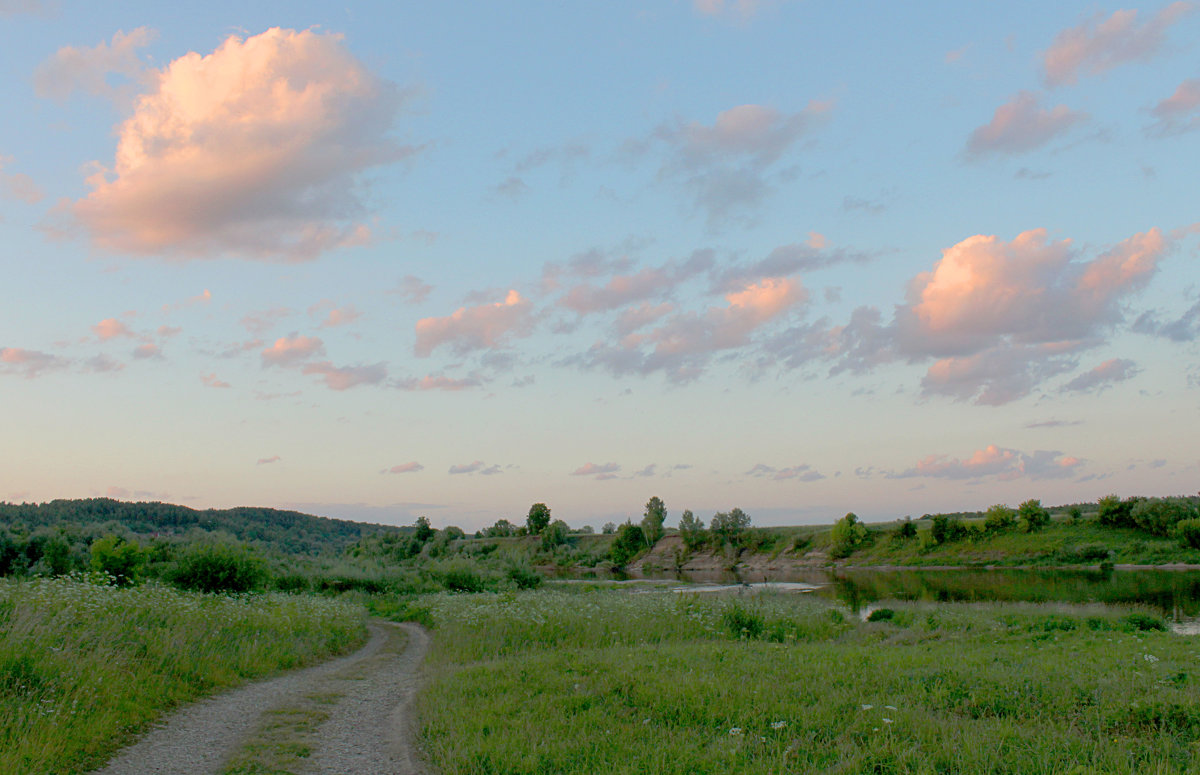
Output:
x=449 y=259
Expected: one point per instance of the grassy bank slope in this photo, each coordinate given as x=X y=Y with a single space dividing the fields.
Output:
x=84 y=667
x=608 y=681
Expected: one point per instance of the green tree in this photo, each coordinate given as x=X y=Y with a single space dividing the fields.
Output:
x=538 y=518
x=627 y=544
x=691 y=530
x=847 y=535
x=56 y=554
x=424 y=531
x=609 y=528
x=1033 y=515
x=652 y=521
x=999 y=518
x=121 y=559
x=555 y=534
x=907 y=529
x=1115 y=512
x=730 y=527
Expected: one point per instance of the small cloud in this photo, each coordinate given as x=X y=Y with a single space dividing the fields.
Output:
x=994 y=461
x=211 y=380
x=432 y=382
x=510 y=188
x=404 y=468
x=263 y=461
x=346 y=377
x=289 y=350
x=28 y=363
x=1098 y=45
x=1105 y=375
x=147 y=351
x=102 y=364
x=259 y=323
x=803 y=473
x=1053 y=424
x=412 y=290
x=598 y=470
x=91 y=69
x=487 y=326
x=169 y=332
x=476 y=467
x=1180 y=112
x=337 y=316
x=1021 y=125
x=647 y=471
x=111 y=328
x=18 y=185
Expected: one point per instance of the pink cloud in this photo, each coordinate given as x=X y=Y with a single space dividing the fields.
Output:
x=1180 y=112
x=598 y=470
x=641 y=316
x=201 y=298
x=18 y=185
x=261 y=322
x=487 y=326
x=90 y=69
x=262 y=461
x=253 y=151
x=346 y=377
x=1029 y=289
x=28 y=363
x=289 y=350
x=439 y=382
x=147 y=351
x=1021 y=125
x=995 y=461
x=168 y=332
x=683 y=345
x=212 y=381
x=111 y=328
x=1098 y=45
x=404 y=468
x=337 y=316
x=1105 y=375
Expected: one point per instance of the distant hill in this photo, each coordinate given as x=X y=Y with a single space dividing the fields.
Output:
x=291 y=532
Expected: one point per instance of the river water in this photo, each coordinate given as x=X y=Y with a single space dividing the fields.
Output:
x=1176 y=593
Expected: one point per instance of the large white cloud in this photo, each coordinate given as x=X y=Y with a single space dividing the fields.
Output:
x=253 y=150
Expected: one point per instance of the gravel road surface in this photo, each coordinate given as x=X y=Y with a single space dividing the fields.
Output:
x=368 y=729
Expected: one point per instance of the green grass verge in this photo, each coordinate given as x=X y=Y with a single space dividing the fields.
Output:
x=608 y=681
x=83 y=667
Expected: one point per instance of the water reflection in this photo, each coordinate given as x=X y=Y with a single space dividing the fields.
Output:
x=1175 y=593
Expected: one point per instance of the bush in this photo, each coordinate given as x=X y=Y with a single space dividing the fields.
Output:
x=881 y=615
x=462 y=577
x=1033 y=516
x=217 y=568
x=906 y=530
x=523 y=576
x=1188 y=532
x=1160 y=515
x=121 y=559
x=629 y=541
x=555 y=534
x=1143 y=622
x=999 y=518
x=847 y=535
x=743 y=624
x=1114 y=512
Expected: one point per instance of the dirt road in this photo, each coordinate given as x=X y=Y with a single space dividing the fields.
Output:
x=348 y=715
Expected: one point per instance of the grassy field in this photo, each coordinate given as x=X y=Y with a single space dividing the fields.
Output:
x=83 y=666
x=605 y=680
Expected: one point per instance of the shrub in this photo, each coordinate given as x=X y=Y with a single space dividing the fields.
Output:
x=462 y=577
x=523 y=576
x=1033 y=516
x=1188 y=532
x=1143 y=622
x=999 y=518
x=218 y=568
x=743 y=624
x=555 y=534
x=847 y=535
x=1114 y=512
x=121 y=559
x=906 y=530
x=881 y=615
x=1160 y=515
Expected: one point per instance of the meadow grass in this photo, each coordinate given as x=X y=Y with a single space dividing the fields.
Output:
x=84 y=666
x=584 y=681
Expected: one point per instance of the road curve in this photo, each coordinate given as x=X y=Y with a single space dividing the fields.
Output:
x=369 y=729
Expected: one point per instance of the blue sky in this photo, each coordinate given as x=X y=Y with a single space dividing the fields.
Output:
x=452 y=259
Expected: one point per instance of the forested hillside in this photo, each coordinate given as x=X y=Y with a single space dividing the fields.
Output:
x=290 y=532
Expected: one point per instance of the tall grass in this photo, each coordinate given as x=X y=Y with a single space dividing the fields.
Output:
x=608 y=681
x=85 y=666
